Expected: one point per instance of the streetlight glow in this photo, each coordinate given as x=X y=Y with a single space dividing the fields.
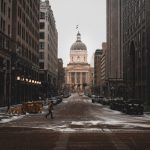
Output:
x=18 y=78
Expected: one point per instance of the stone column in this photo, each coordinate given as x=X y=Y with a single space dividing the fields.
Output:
x=67 y=77
x=86 y=77
x=75 y=77
x=81 y=81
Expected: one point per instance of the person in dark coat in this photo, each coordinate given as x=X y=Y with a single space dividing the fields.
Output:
x=50 y=108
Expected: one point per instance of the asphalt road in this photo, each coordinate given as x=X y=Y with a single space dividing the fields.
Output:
x=77 y=125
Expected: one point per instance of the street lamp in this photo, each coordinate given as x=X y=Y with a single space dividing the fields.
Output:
x=18 y=78
x=112 y=91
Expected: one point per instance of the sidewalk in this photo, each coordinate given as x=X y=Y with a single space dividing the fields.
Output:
x=6 y=117
x=3 y=110
x=146 y=109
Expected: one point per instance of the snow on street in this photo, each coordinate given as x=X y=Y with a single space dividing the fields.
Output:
x=79 y=114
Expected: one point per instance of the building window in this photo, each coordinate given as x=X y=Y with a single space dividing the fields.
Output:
x=42 y=25
x=42 y=45
x=42 y=35
x=78 y=58
x=41 y=55
x=41 y=65
x=9 y=29
x=42 y=15
x=8 y=12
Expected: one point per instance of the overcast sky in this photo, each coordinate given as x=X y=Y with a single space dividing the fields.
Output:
x=90 y=15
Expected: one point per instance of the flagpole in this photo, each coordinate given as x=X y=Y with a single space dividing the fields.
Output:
x=77 y=27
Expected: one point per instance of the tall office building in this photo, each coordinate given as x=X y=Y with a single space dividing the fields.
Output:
x=48 y=50
x=97 y=71
x=25 y=51
x=61 y=75
x=19 y=51
x=104 y=70
x=114 y=51
x=136 y=47
x=5 y=43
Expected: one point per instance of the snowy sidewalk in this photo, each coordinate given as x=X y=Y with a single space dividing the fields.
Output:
x=5 y=117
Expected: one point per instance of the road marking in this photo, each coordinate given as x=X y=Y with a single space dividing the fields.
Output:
x=118 y=144
x=62 y=142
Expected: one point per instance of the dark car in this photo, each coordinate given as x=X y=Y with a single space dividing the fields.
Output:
x=133 y=106
x=97 y=99
x=106 y=101
x=59 y=98
x=54 y=99
x=117 y=104
x=66 y=94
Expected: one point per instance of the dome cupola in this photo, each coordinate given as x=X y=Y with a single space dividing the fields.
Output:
x=78 y=45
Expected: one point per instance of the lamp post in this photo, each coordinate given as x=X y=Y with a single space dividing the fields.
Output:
x=112 y=91
x=4 y=69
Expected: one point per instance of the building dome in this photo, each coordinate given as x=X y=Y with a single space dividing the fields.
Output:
x=78 y=45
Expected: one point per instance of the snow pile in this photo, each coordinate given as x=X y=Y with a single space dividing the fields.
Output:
x=6 y=120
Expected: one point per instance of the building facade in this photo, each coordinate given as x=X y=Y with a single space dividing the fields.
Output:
x=97 y=71
x=78 y=71
x=136 y=48
x=48 y=50
x=103 y=65
x=25 y=55
x=114 y=50
x=5 y=57
x=20 y=43
x=61 y=75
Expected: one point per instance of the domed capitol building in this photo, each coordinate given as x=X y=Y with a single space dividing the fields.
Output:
x=78 y=72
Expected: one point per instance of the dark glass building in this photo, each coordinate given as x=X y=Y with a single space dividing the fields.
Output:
x=136 y=48
x=5 y=50
x=19 y=42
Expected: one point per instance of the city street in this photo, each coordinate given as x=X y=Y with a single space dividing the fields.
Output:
x=78 y=124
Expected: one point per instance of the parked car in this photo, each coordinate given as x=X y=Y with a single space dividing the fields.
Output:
x=133 y=106
x=106 y=101
x=54 y=99
x=117 y=104
x=66 y=94
x=89 y=95
x=97 y=99
x=59 y=98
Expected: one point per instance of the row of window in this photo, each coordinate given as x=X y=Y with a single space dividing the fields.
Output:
x=131 y=25
x=29 y=5
x=132 y=9
x=48 y=18
x=27 y=37
x=5 y=9
x=30 y=24
x=2 y=24
x=28 y=20
x=25 y=52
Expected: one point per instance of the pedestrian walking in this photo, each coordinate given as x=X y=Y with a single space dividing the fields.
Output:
x=50 y=110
